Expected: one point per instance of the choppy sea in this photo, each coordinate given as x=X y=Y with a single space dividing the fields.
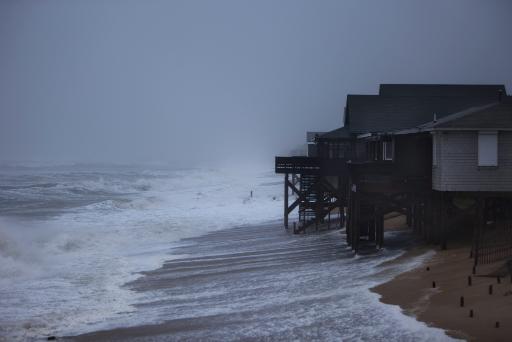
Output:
x=72 y=237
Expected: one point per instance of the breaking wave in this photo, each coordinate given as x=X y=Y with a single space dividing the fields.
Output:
x=69 y=240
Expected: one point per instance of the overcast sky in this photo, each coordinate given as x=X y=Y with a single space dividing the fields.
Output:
x=187 y=81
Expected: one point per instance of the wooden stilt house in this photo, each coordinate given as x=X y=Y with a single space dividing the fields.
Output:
x=472 y=177
x=382 y=160
x=318 y=181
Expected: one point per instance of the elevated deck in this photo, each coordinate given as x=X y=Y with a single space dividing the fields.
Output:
x=387 y=177
x=311 y=166
x=321 y=188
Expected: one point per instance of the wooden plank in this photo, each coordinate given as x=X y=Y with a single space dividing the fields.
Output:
x=444 y=226
x=286 y=182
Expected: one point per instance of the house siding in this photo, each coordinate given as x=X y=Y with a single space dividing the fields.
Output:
x=436 y=169
x=458 y=169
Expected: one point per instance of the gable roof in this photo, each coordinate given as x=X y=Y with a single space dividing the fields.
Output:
x=374 y=113
x=495 y=116
x=441 y=90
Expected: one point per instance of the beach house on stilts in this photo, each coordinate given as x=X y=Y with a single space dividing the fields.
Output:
x=401 y=151
x=472 y=177
x=318 y=180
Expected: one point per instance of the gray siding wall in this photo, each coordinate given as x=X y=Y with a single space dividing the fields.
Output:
x=436 y=169
x=458 y=169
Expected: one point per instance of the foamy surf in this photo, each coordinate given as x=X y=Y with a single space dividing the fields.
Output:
x=261 y=283
x=69 y=240
x=73 y=244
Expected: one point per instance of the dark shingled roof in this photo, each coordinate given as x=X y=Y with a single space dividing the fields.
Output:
x=374 y=113
x=469 y=90
x=493 y=117
x=339 y=133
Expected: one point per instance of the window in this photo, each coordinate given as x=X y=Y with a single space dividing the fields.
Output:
x=487 y=148
x=341 y=150
x=387 y=150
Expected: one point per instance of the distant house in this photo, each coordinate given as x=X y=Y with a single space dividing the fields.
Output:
x=337 y=144
x=311 y=138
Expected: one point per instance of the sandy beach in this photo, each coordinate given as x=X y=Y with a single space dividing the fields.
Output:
x=441 y=306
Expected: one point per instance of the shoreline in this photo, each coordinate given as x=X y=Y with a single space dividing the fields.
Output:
x=303 y=265
x=440 y=307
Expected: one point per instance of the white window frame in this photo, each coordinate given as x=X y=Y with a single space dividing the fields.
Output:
x=384 y=151
x=487 y=148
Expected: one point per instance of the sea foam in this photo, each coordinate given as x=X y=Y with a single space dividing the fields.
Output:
x=66 y=248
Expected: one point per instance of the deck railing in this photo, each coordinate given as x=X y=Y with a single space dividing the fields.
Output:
x=495 y=243
x=310 y=166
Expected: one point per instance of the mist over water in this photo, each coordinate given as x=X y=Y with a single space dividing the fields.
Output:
x=90 y=248
x=191 y=82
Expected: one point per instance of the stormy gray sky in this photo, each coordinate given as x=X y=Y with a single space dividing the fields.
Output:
x=187 y=81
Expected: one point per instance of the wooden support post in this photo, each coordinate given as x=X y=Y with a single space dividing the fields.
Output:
x=350 y=211
x=479 y=230
x=423 y=207
x=415 y=217
x=329 y=220
x=421 y=215
x=416 y=214
x=372 y=226
x=340 y=203
x=356 y=234
x=428 y=217
x=409 y=213
x=424 y=216
x=413 y=213
x=476 y=226
x=433 y=218
x=438 y=227
x=381 y=232
x=444 y=226
x=286 y=201
x=379 y=227
x=353 y=220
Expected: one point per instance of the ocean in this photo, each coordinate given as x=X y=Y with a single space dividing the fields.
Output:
x=86 y=248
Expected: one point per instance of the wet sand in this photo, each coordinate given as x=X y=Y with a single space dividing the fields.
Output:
x=262 y=283
x=413 y=291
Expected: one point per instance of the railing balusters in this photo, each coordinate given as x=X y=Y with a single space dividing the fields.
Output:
x=496 y=243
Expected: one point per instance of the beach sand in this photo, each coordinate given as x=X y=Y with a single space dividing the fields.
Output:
x=440 y=307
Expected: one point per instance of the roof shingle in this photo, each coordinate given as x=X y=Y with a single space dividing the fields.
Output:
x=374 y=113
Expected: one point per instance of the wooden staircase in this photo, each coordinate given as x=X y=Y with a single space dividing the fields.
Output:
x=318 y=199
x=307 y=212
